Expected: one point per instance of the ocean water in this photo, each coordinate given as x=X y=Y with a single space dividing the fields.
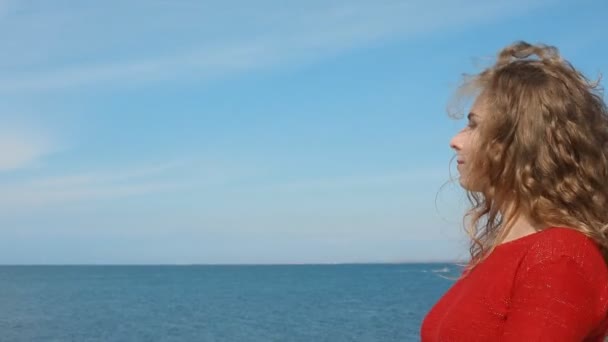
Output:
x=358 y=302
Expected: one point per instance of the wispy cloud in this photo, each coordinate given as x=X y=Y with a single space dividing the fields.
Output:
x=117 y=182
x=54 y=190
x=22 y=146
x=104 y=177
x=259 y=37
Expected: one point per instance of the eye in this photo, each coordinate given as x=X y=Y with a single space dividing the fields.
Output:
x=471 y=120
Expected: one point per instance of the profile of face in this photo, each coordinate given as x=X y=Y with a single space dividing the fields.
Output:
x=465 y=143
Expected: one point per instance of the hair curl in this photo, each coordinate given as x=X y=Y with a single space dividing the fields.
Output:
x=544 y=151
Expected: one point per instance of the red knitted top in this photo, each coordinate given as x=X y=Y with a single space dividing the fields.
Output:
x=547 y=286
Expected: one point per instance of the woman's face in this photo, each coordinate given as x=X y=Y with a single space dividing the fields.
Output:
x=465 y=143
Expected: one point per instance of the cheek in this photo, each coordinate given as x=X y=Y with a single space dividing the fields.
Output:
x=471 y=142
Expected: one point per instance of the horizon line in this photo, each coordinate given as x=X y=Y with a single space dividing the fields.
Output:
x=242 y=264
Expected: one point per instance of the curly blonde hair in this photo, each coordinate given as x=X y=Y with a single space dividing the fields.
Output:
x=543 y=154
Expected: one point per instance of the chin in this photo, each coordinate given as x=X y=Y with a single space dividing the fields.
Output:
x=465 y=183
x=470 y=186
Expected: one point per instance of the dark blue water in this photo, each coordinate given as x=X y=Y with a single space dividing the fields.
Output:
x=219 y=303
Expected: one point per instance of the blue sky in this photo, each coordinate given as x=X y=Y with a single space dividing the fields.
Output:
x=147 y=132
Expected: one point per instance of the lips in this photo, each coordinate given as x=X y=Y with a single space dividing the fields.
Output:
x=460 y=162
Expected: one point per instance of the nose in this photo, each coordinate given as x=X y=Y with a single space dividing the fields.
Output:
x=456 y=143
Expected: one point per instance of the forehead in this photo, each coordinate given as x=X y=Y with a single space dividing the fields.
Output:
x=479 y=107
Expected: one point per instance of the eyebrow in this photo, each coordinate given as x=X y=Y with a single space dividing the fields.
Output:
x=471 y=115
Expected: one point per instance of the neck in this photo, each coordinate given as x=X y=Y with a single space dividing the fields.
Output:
x=520 y=227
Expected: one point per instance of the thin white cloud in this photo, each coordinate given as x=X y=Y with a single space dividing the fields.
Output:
x=153 y=179
x=30 y=197
x=22 y=146
x=97 y=177
x=6 y=6
x=57 y=190
x=265 y=37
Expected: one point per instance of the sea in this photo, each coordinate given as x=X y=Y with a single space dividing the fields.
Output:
x=261 y=303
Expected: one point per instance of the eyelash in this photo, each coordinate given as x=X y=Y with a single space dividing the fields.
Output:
x=471 y=124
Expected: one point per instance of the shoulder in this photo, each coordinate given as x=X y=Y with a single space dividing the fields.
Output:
x=560 y=245
x=560 y=290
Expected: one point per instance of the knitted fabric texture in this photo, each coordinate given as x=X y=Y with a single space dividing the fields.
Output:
x=547 y=286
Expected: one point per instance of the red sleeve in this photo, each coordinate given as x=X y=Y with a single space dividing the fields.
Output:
x=553 y=301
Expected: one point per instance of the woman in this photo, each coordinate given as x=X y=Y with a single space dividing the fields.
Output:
x=534 y=161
